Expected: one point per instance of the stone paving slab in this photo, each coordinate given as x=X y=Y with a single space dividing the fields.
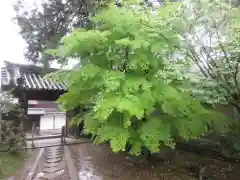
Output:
x=49 y=157
x=53 y=153
x=49 y=176
x=54 y=164
x=65 y=175
x=54 y=160
x=52 y=169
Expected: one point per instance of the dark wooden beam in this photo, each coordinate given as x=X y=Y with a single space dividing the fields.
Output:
x=38 y=95
x=43 y=95
x=23 y=102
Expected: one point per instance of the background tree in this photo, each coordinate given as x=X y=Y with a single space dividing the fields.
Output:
x=11 y=138
x=6 y=103
x=211 y=41
x=125 y=74
x=210 y=34
x=43 y=26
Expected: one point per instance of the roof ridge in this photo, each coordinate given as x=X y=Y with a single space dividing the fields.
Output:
x=32 y=76
x=8 y=63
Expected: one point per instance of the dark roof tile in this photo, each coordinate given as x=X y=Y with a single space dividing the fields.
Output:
x=33 y=77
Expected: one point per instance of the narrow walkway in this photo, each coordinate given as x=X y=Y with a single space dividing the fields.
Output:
x=53 y=160
x=54 y=165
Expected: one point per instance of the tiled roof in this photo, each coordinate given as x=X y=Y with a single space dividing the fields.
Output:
x=32 y=77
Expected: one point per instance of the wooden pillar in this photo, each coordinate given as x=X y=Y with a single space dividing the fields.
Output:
x=76 y=131
x=77 y=125
x=70 y=129
x=67 y=120
x=23 y=102
x=73 y=130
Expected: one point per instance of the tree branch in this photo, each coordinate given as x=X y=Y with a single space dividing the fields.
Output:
x=226 y=57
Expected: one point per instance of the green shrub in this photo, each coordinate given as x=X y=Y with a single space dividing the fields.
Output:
x=11 y=138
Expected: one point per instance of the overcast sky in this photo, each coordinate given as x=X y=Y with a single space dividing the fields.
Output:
x=11 y=43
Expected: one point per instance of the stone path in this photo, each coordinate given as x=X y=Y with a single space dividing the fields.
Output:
x=54 y=165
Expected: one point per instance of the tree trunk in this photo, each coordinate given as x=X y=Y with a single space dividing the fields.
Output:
x=146 y=154
x=238 y=112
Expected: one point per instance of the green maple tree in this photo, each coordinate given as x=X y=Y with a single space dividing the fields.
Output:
x=125 y=73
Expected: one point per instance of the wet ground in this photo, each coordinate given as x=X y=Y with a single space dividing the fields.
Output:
x=99 y=163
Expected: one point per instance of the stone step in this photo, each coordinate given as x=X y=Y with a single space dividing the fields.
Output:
x=49 y=176
x=53 y=148
x=77 y=164
x=53 y=152
x=52 y=169
x=55 y=160
x=51 y=157
x=54 y=164
x=49 y=165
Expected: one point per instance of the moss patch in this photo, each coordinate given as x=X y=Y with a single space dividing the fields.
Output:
x=11 y=164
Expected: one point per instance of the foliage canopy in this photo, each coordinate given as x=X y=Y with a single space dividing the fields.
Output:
x=125 y=72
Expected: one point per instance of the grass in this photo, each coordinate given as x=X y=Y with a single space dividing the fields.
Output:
x=11 y=164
